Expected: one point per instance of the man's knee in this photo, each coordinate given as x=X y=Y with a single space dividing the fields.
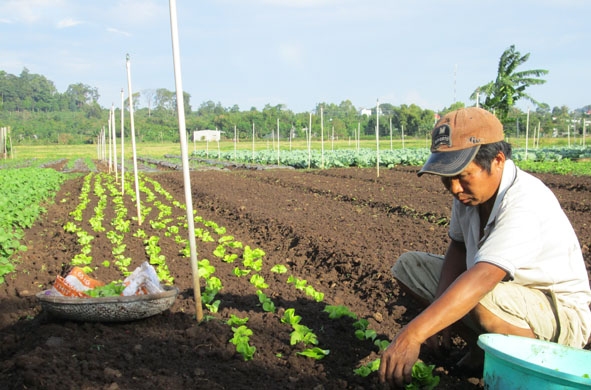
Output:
x=401 y=265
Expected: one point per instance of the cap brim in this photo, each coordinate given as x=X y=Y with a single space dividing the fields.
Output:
x=449 y=163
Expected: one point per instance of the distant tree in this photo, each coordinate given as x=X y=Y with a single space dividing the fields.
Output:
x=78 y=95
x=510 y=84
x=164 y=99
x=148 y=95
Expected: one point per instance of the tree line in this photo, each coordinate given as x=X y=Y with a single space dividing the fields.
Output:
x=35 y=111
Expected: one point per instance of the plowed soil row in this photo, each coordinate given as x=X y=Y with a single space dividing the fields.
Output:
x=341 y=230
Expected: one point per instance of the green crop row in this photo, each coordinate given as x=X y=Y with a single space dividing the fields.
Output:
x=572 y=160
x=23 y=193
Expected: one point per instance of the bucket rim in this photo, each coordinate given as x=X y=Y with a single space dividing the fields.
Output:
x=542 y=370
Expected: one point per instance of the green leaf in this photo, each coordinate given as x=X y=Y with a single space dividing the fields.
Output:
x=315 y=353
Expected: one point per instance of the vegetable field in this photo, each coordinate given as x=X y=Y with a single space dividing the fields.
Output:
x=295 y=278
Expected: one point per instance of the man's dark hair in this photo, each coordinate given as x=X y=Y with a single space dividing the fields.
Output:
x=488 y=152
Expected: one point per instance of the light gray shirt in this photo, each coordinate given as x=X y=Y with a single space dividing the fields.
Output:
x=529 y=236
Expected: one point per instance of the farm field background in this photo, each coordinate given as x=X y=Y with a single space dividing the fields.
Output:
x=337 y=231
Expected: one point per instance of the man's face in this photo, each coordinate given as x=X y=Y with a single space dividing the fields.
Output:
x=474 y=185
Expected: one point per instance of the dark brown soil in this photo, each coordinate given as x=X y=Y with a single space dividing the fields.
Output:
x=341 y=230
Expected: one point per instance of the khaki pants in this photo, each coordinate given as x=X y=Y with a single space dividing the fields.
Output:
x=518 y=305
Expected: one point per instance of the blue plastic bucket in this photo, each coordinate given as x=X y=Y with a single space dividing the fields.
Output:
x=513 y=362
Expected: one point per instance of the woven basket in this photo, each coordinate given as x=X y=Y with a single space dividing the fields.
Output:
x=108 y=309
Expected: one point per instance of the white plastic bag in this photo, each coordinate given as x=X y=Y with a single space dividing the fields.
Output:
x=143 y=280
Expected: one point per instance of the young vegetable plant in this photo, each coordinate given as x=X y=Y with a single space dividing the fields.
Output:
x=241 y=340
x=314 y=353
x=266 y=302
x=301 y=333
x=253 y=258
x=422 y=375
x=338 y=311
x=302 y=284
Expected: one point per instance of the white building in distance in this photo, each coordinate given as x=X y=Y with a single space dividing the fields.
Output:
x=206 y=135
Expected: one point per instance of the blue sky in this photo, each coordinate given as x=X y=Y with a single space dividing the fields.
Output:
x=301 y=52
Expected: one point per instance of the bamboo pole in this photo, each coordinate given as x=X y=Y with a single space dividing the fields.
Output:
x=186 y=177
x=378 y=138
x=110 y=143
x=114 y=142
x=133 y=149
x=526 y=133
x=310 y=141
x=122 y=145
x=322 y=137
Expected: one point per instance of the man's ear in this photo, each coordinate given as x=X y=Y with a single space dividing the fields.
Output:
x=499 y=161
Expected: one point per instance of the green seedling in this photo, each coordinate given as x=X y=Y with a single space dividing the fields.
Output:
x=205 y=268
x=266 y=302
x=241 y=272
x=279 y=269
x=108 y=290
x=234 y=320
x=302 y=334
x=335 y=312
x=368 y=368
x=422 y=377
x=314 y=353
x=241 y=341
x=258 y=281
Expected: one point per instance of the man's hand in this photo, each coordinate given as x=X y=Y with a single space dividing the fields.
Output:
x=397 y=360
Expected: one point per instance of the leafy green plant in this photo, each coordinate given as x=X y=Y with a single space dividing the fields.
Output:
x=361 y=330
x=108 y=290
x=279 y=269
x=266 y=302
x=314 y=353
x=368 y=368
x=234 y=320
x=241 y=340
x=258 y=281
x=422 y=377
x=338 y=311
x=241 y=272
x=253 y=258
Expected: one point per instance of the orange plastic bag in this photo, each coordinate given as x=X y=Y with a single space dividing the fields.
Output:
x=75 y=283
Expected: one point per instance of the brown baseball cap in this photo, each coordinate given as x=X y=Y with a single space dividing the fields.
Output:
x=457 y=137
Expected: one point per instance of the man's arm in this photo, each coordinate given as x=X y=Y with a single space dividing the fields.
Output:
x=455 y=302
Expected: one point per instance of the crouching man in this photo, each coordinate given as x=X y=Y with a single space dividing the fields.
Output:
x=514 y=264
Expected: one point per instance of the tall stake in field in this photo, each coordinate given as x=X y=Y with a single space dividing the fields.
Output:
x=322 y=137
x=526 y=133
x=378 y=138
x=253 y=141
x=122 y=145
x=235 y=142
x=114 y=142
x=130 y=100
x=278 y=161
x=110 y=142
x=391 y=147
x=184 y=157
x=309 y=140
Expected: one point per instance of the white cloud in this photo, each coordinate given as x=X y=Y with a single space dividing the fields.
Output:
x=117 y=31
x=30 y=11
x=65 y=23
